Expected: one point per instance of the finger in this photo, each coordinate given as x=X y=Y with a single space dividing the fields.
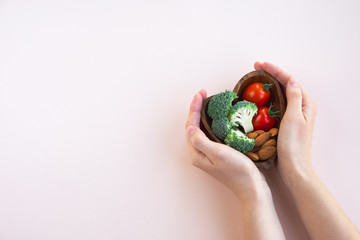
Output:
x=282 y=76
x=198 y=158
x=203 y=93
x=258 y=66
x=194 y=113
x=200 y=142
x=294 y=98
x=309 y=108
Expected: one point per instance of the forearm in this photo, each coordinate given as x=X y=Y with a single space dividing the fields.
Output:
x=259 y=216
x=321 y=214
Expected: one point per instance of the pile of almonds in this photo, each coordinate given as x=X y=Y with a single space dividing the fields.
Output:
x=265 y=144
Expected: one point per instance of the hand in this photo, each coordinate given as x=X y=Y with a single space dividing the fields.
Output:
x=296 y=127
x=227 y=165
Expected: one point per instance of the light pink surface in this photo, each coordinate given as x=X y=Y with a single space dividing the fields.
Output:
x=94 y=96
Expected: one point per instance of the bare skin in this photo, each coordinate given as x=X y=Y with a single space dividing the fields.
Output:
x=322 y=216
x=319 y=211
x=238 y=173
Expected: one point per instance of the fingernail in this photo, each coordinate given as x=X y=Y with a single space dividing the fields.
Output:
x=293 y=82
x=191 y=130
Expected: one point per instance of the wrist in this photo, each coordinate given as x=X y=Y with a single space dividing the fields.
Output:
x=257 y=189
x=293 y=176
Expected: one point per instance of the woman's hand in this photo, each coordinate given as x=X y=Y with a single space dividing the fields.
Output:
x=237 y=172
x=321 y=214
x=296 y=127
x=227 y=165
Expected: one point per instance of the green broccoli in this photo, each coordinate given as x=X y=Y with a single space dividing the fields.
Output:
x=239 y=141
x=221 y=127
x=220 y=104
x=242 y=113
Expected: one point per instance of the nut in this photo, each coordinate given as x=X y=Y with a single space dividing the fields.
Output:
x=266 y=152
x=255 y=149
x=270 y=143
x=252 y=135
x=262 y=138
x=252 y=156
x=274 y=132
x=259 y=132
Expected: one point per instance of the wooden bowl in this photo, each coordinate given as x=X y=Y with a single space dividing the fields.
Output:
x=276 y=97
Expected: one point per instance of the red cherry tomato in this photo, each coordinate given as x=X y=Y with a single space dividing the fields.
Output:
x=265 y=119
x=257 y=93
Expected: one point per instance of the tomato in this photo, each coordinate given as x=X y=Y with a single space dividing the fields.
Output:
x=265 y=119
x=257 y=93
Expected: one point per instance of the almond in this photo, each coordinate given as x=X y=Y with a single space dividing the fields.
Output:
x=262 y=138
x=270 y=143
x=255 y=149
x=266 y=152
x=274 y=132
x=252 y=156
x=252 y=135
x=259 y=132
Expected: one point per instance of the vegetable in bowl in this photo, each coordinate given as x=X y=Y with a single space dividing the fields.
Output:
x=242 y=114
x=226 y=118
x=220 y=104
x=257 y=93
x=221 y=127
x=239 y=141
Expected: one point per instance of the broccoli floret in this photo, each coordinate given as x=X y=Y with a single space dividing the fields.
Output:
x=242 y=113
x=221 y=127
x=220 y=104
x=239 y=141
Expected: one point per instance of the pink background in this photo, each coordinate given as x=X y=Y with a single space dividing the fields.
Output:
x=94 y=96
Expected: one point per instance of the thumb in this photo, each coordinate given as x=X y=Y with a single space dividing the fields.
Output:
x=200 y=141
x=294 y=97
